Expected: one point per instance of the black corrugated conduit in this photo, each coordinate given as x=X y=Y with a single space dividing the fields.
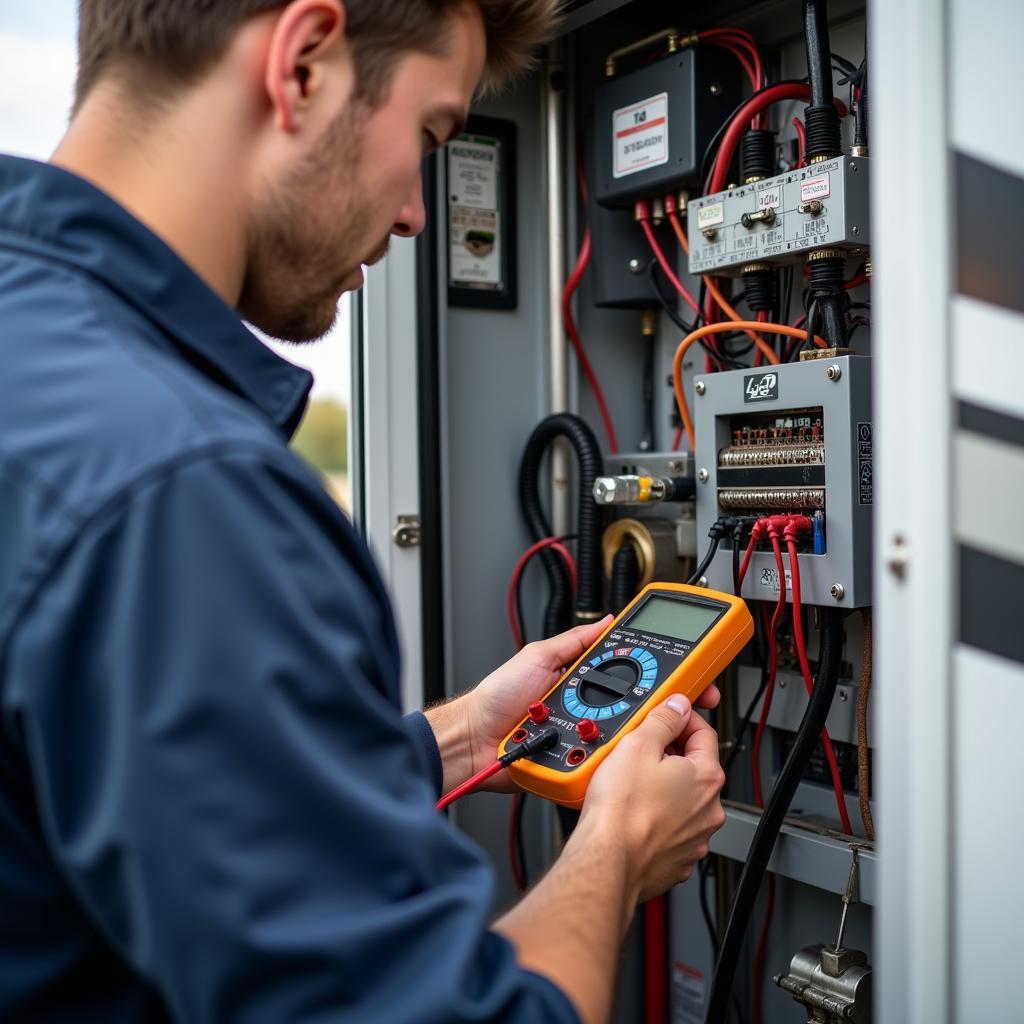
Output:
x=558 y=615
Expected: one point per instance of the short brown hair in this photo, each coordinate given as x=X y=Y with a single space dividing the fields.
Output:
x=162 y=45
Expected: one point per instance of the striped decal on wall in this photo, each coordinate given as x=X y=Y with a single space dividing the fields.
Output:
x=988 y=446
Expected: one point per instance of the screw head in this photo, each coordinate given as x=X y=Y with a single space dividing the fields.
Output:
x=716 y=89
x=635 y=266
x=838 y=591
x=834 y=371
x=855 y=229
x=702 y=582
x=700 y=387
x=782 y=684
x=843 y=695
x=710 y=234
x=702 y=475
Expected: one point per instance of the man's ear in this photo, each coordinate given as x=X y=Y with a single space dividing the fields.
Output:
x=307 y=43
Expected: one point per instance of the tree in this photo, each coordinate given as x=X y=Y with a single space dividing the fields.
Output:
x=322 y=437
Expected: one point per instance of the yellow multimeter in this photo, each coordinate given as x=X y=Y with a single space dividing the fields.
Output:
x=672 y=638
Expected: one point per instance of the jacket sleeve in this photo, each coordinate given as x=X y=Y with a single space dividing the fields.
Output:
x=222 y=780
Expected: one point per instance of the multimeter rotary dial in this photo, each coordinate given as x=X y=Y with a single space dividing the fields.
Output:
x=608 y=684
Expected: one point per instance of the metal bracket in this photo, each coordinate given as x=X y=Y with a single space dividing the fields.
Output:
x=406 y=531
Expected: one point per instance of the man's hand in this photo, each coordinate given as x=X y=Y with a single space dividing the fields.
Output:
x=469 y=728
x=649 y=812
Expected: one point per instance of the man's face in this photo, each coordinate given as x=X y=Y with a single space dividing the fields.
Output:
x=335 y=209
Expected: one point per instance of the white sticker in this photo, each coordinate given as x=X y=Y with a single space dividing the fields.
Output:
x=689 y=994
x=814 y=188
x=640 y=136
x=710 y=216
x=769 y=197
x=770 y=578
x=474 y=216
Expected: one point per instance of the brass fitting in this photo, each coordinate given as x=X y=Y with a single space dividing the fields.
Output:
x=649 y=323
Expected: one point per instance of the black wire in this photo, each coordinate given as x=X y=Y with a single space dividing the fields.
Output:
x=706 y=561
x=712 y=146
x=519 y=586
x=770 y=822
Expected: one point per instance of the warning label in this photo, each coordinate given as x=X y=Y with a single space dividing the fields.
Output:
x=770 y=578
x=815 y=188
x=640 y=136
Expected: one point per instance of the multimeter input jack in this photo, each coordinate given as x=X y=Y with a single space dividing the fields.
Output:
x=519 y=735
x=576 y=756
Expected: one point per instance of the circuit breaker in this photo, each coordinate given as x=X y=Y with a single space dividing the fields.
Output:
x=780 y=219
x=796 y=437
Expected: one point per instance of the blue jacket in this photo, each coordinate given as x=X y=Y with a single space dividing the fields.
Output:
x=211 y=809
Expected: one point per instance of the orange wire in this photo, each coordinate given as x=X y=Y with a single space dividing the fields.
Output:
x=766 y=350
x=702 y=332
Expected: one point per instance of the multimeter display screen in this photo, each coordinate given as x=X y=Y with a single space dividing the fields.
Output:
x=680 y=619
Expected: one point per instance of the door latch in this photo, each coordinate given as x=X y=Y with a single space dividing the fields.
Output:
x=406 y=531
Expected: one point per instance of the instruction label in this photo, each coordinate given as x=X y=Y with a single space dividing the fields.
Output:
x=761 y=387
x=815 y=188
x=640 y=136
x=474 y=215
x=689 y=994
x=865 y=466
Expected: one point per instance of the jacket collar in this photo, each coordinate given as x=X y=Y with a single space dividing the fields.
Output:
x=51 y=212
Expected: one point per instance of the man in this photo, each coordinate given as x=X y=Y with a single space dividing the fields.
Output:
x=210 y=808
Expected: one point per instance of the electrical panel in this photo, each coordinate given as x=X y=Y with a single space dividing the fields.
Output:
x=652 y=125
x=791 y=438
x=779 y=220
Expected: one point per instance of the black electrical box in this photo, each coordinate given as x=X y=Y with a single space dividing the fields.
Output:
x=653 y=124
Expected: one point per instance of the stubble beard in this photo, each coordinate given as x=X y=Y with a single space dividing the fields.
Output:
x=300 y=251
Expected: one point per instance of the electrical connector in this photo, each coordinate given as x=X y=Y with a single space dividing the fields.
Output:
x=818 y=533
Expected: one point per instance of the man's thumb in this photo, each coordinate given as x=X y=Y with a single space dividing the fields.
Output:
x=666 y=721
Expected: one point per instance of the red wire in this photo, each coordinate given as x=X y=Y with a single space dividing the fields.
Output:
x=666 y=267
x=805 y=669
x=582 y=262
x=678 y=439
x=548 y=542
x=773 y=664
x=801 y=138
x=739 y=124
x=469 y=785
x=656 y=960
x=741 y=58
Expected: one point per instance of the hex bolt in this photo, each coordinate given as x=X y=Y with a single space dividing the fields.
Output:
x=702 y=476
x=700 y=387
x=834 y=371
x=635 y=266
x=837 y=590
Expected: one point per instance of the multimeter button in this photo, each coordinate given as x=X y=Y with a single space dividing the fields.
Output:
x=538 y=712
x=588 y=730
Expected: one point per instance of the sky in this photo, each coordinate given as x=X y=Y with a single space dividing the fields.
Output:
x=37 y=74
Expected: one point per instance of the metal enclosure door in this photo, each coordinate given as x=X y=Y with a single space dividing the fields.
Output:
x=385 y=405
x=949 y=561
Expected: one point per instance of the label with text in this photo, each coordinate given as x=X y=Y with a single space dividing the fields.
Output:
x=640 y=136
x=815 y=188
x=710 y=216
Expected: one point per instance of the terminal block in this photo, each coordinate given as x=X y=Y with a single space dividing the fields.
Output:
x=791 y=438
x=778 y=220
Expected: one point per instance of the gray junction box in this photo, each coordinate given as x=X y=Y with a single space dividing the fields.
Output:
x=778 y=220
x=830 y=470
x=652 y=125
